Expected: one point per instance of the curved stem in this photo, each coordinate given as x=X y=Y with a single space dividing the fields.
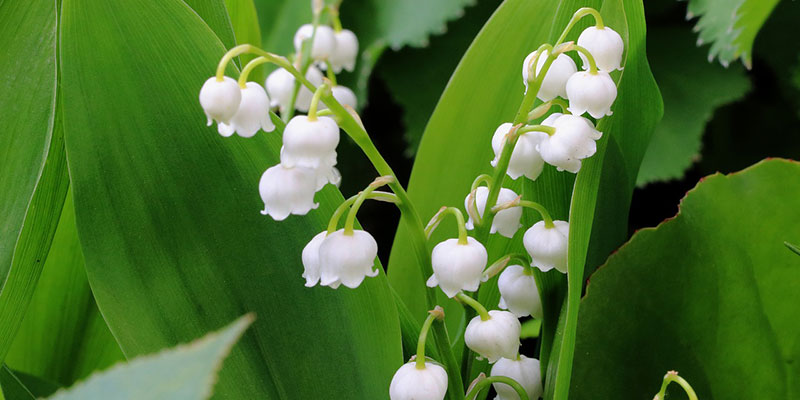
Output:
x=582 y=12
x=331 y=75
x=434 y=223
x=484 y=383
x=249 y=68
x=482 y=178
x=376 y=195
x=423 y=336
x=270 y=57
x=548 y=220
x=537 y=128
x=312 y=109
x=589 y=58
x=672 y=376
x=477 y=306
x=544 y=108
x=351 y=216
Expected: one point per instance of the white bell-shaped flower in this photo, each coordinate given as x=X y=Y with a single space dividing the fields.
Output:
x=495 y=338
x=457 y=266
x=346 y=51
x=412 y=383
x=548 y=246
x=555 y=81
x=343 y=95
x=525 y=159
x=574 y=139
x=526 y=371
x=324 y=44
x=506 y=222
x=310 y=143
x=280 y=86
x=347 y=259
x=605 y=45
x=518 y=292
x=287 y=190
x=310 y=258
x=252 y=115
x=220 y=100
x=592 y=93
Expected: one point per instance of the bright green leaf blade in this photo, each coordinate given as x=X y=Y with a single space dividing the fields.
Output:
x=530 y=329
x=279 y=20
x=12 y=387
x=794 y=248
x=33 y=164
x=215 y=16
x=692 y=89
x=244 y=20
x=37 y=386
x=168 y=216
x=187 y=372
x=730 y=26
x=698 y=296
x=63 y=337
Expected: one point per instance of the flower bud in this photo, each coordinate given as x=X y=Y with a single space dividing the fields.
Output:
x=525 y=159
x=220 y=100
x=411 y=383
x=548 y=246
x=343 y=95
x=573 y=140
x=592 y=93
x=346 y=51
x=324 y=41
x=310 y=143
x=347 y=259
x=605 y=45
x=457 y=266
x=526 y=371
x=252 y=115
x=506 y=222
x=495 y=338
x=280 y=86
x=310 y=258
x=555 y=81
x=287 y=190
x=518 y=292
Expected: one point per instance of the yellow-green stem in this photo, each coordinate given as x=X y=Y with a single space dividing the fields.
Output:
x=423 y=336
x=589 y=58
x=462 y=230
x=475 y=305
x=312 y=109
x=582 y=12
x=337 y=214
x=484 y=383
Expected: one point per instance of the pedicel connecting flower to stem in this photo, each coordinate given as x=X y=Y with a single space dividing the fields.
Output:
x=346 y=256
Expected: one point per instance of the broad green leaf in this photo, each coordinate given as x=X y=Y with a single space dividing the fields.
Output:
x=215 y=16
x=399 y=69
x=244 y=20
x=186 y=372
x=32 y=165
x=12 y=387
x=531 y=328
x=711 y=293
x=37 y=386
x=692 y=89
x=730 y=26
x=169 y=222
x=63 y=337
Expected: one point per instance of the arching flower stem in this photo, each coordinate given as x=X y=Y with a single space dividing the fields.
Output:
x=589 y=58
x=375 y=195
x=672 y=376
x=474 y=304
x=485 y=382
x=312 y=109
x=440 y=215
x=351 y=216
x=436 y=314
x=582 y=12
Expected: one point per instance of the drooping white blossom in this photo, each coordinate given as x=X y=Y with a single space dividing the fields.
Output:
x=287 y=190
x=412 y=383
x=525 y=159
x=505 y=222
x=347 y=259
x=457 y=266
x=526 y=371
x=555 y=81
x=548 y=246
x=592 y=93
x=310 y=257
x=574 y=140
x=495 y=338
x=605 y=45
x=310 y=143
x=280 y=86
x=346 y=51
x=343 y=95
x=518 y=292
x=324 y=44
x=252 y=115
x=220 y=99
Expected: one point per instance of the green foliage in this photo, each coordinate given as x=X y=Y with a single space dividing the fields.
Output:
x=168 y=215
x=711 y=293
x=692 y=89
x=187 y=372
x=244 y=20
x=12 y=387
x=32 y=167
x=63 y=337
x=730 y=26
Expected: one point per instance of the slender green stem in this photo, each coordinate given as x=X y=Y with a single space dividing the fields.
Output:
x=249 y=68
x=477 y=306
x=537 y=128
x=423 y=336
x=672 y=376
x=544 y=108
x=376 y=195
x=522 y=259
x=589 y=58
x=582 y=12
x=482 y=178
x=312 y=109
x=484 y=383
x=462 y=230
x=335 y=21
x=331 y=75
x=548 y=220
x=351 y=216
